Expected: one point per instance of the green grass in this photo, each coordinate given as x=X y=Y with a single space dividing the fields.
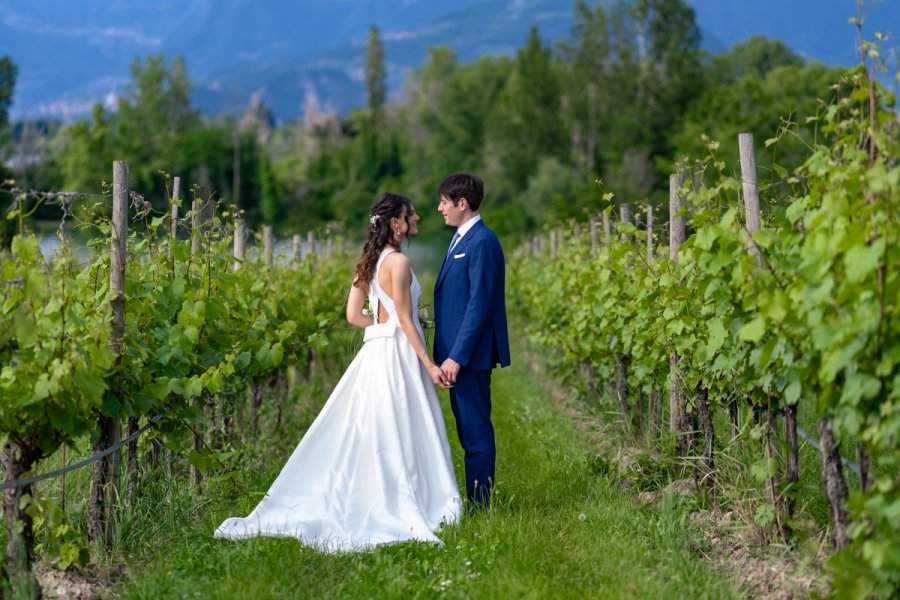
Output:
x=557 y=529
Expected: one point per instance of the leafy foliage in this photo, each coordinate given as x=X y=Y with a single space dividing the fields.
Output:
x=812 y=322
x=195 y=327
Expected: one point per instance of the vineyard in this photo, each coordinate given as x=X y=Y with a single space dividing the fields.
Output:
x=745 y=338
x=169 y=327
x=718 y=341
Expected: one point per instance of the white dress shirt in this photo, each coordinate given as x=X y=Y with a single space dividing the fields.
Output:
x=464 y=228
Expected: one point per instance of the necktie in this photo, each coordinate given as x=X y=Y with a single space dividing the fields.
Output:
x=453 y=242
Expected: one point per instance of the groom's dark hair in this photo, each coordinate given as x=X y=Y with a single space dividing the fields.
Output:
x=462 y=185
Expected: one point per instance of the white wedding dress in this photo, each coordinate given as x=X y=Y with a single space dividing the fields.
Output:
x=374 y=467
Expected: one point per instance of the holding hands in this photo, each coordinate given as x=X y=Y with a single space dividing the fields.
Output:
x=445 y=375
x=450 y=369
x=438 y=377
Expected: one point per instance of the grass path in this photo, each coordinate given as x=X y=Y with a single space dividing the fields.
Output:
x=557 y=530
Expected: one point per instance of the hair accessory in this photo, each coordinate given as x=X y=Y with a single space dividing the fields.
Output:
x=373 y=219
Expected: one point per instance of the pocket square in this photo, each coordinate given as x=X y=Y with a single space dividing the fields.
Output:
x=459 y=255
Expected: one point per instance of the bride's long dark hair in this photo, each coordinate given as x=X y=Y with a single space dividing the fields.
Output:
x=386 y=207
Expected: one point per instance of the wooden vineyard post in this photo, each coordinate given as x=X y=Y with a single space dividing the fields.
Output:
x=655 y=409
x=310 y=255
x=268 y=243
x=679 y=423
x=195 y=229
x=297 y=247
x=621 y=361
x=297 y=243
x=104 y=484
x=198 y=404
x=240 y=240
x=752 y=223
x=607 y=233
x=173 y=211
x=750 y=190
x=624 y=217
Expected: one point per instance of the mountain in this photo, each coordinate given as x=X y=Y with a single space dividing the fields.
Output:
x=72 y=53
x=335 y=75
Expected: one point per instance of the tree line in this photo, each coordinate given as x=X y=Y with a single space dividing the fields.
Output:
x=616 y=103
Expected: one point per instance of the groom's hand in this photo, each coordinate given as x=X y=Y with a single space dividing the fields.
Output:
x=450 y=369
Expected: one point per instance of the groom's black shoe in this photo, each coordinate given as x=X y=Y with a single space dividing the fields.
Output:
x=475 y=508
x=480 y=499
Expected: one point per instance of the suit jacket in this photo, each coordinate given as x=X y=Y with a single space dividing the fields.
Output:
x=470 y=303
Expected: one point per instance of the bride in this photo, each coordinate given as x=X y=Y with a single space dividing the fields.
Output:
x=374 y=467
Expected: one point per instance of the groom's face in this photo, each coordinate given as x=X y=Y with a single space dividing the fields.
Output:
x=453 y=215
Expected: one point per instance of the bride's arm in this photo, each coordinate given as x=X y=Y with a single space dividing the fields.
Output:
x=355 y=302
x=401 y=279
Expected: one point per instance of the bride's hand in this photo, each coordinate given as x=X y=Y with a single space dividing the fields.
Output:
x=437 y=376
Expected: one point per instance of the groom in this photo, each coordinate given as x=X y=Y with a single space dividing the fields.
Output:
x=470 y=326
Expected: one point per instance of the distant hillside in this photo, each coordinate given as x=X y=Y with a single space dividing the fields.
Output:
x=72 y=54
x=335 y=75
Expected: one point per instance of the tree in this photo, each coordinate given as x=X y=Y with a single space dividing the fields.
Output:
x=754 y=57
x=153 y=112
x=375 y=74
x=588 y=57
x=525 y=124
x=632 y=69
x=752 y=87
x=268 y=192
x=446 y=117
x=86 y=151
x=8 y=74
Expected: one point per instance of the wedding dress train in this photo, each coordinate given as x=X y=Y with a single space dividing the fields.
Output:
x=374 y=467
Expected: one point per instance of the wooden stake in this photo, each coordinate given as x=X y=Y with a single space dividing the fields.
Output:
x=750 y=189
x=678 y=419
x=267 y=245
x=297 y=244
x=106 y=470
x=173 y=231
x=240 y=238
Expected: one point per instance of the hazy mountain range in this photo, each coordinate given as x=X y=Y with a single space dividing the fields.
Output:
x=72 y=53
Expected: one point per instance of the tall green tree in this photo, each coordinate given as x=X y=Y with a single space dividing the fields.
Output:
x=756 y=86
x=590 y=103
x=147 y=130
x=268 y=193
x=8 y=74
x=153 y=112
x=86 y=151
x=376 y=88
x=525 y=124
x=754 y=57
x=446 y=117
x=631 y=68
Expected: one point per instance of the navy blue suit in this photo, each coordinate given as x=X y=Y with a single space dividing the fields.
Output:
x=470 y=328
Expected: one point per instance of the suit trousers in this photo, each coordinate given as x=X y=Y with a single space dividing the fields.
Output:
x=470 y=400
